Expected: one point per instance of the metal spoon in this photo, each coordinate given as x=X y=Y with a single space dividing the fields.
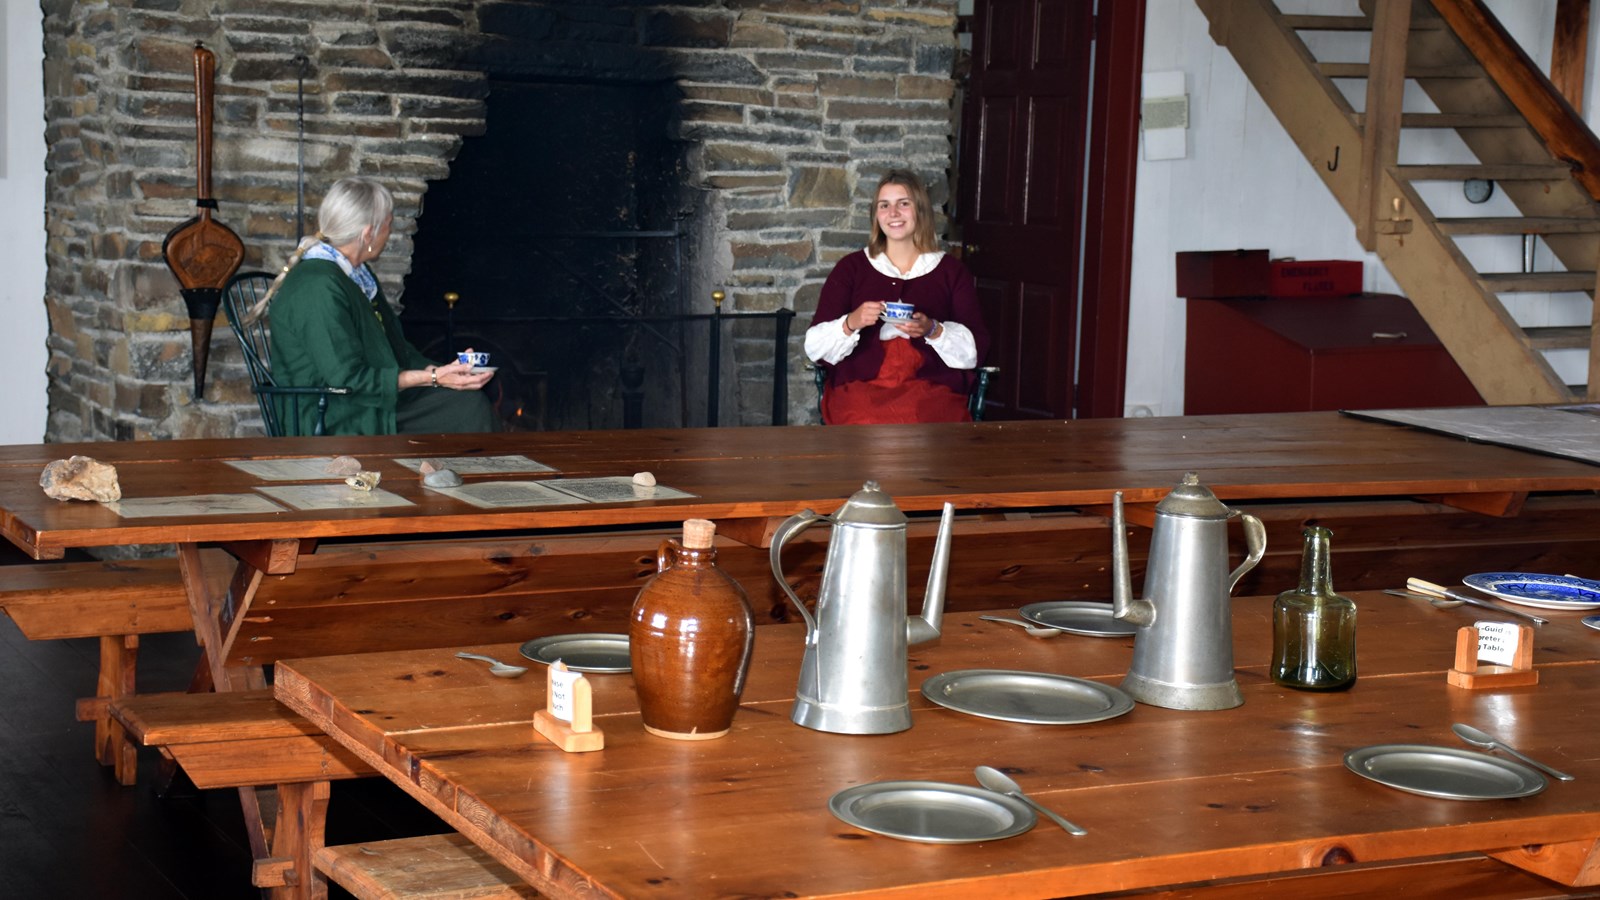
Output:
x=1447 y=598
x=496 y=667
x=1035 y=630
x=1479 y=739
x=1001 y=783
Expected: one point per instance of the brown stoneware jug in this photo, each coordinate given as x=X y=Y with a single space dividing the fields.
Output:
x=690 y=637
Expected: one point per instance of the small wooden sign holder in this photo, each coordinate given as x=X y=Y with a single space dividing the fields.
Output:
x=579 y=735
x=1468 y=674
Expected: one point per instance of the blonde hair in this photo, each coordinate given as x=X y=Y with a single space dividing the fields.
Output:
x=350 y=207
x=922 y=236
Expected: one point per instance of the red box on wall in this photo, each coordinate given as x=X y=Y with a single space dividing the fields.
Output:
x=1314 y=278
x=1222 y=273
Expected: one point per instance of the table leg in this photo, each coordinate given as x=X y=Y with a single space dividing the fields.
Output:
x=298 y=834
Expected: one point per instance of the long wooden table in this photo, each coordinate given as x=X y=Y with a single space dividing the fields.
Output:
x=1168 y=797
x=745 y=478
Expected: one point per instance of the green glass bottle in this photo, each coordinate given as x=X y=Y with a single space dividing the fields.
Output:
x=1314 y=629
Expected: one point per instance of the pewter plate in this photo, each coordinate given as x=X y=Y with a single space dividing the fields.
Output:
x=932 y=812
x=598 y=653
x=1033 y=698
x=1077 y=617
x=1444 y=772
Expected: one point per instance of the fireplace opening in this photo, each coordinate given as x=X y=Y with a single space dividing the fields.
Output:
x=560 y=234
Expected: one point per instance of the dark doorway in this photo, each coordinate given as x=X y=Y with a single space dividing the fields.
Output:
x=1049 y=136
x=557 y=230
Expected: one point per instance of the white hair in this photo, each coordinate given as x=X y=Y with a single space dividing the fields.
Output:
x=350 y=207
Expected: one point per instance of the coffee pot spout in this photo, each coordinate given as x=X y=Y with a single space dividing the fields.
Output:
x=1123 y=606
x=924 y=628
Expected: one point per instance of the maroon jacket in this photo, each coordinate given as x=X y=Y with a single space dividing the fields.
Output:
x=947 y=294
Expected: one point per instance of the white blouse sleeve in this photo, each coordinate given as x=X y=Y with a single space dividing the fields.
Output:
x=827 y=342
x=955 y=345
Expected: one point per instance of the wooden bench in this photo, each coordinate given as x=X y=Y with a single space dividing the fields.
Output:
x=432 y=867
x=115 y=602
x=249 y=741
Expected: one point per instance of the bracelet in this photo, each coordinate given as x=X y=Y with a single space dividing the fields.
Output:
x=433 y=376
x=847 y=329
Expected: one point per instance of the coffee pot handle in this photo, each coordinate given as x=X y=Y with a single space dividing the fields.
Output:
x=1255 y=542
x=792 y=526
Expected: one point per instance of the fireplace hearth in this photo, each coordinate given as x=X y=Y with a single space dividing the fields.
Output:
x=558 y=229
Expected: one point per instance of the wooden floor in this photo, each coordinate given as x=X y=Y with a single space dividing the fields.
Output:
x=68 y=830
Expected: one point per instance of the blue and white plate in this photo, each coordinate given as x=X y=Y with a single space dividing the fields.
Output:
x=1592 y=622
x=1542 y=591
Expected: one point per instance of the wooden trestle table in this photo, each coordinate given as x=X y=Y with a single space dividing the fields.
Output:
x=1167 y=796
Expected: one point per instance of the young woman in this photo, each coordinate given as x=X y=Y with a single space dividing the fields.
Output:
x=917 y=370
x=331 y=325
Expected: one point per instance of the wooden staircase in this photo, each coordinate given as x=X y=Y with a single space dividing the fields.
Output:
x=1546 y=202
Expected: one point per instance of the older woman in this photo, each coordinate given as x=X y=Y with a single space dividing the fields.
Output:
x=331 y=325
x=918 y=370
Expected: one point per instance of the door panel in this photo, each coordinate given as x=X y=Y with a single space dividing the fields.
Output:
x=1027 y=105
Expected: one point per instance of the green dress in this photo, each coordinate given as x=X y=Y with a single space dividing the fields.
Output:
x=325 y=332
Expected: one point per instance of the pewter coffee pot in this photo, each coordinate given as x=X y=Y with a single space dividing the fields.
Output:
x=853 y=675
x=1183 y=650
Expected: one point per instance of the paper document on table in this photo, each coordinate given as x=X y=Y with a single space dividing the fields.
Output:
x=1497 y=642
x=502 y=494
x=615 y=489
x=478 y=465
x=333 y=496
x=300 y=468
x=193 y=505
x=1553 y=431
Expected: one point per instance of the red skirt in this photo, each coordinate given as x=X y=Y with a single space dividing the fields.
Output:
x=896 y=396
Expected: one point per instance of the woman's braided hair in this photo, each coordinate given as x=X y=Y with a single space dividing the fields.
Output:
x=351 y=206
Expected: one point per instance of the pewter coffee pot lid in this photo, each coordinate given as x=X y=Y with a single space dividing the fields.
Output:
x=1194 y=500
x=870 y=507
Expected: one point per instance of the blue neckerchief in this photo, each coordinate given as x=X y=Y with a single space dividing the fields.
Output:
x=361 y=275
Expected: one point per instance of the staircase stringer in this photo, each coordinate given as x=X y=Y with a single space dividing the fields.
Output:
x=1442 y=284
x=1471 y=322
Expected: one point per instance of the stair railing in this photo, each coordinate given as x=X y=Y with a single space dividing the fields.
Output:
x=1560 y=127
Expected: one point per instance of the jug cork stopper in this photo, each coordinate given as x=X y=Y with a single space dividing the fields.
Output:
x=697 y=533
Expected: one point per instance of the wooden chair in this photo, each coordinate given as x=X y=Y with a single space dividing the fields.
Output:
x=280 y=404
x=975 y=398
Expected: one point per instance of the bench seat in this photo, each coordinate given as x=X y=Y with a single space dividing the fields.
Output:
x=236 y=739
x=432 y=867
x=113 y=601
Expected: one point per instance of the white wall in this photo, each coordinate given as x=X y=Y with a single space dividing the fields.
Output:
x=1244 y=184
x=22 y=339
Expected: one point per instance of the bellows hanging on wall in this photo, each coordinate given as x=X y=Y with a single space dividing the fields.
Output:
x=203 y=254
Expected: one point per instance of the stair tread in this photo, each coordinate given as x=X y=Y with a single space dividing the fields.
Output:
x=1359 y=70
x=1537 y=281
x=1328 y=23
x=1451 y=120
x=1499 y=172
x=1312 y=22
x=1519 y=225
x=1558 y=337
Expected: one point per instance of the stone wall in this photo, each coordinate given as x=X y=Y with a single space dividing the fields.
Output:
x=794 y=108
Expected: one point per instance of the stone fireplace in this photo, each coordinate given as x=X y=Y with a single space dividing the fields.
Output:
x=613 y=159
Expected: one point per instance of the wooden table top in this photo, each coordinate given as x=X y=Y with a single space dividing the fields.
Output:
x=762 y=472
x=1167 y=796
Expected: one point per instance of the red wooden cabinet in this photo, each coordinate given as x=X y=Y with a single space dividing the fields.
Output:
x=1371 y=351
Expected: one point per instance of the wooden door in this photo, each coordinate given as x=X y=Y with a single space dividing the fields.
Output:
x=1024 y=138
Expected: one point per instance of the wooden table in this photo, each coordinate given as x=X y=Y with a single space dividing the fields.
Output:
x=754 y=473
x=745 y=478
x=1167 y=796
